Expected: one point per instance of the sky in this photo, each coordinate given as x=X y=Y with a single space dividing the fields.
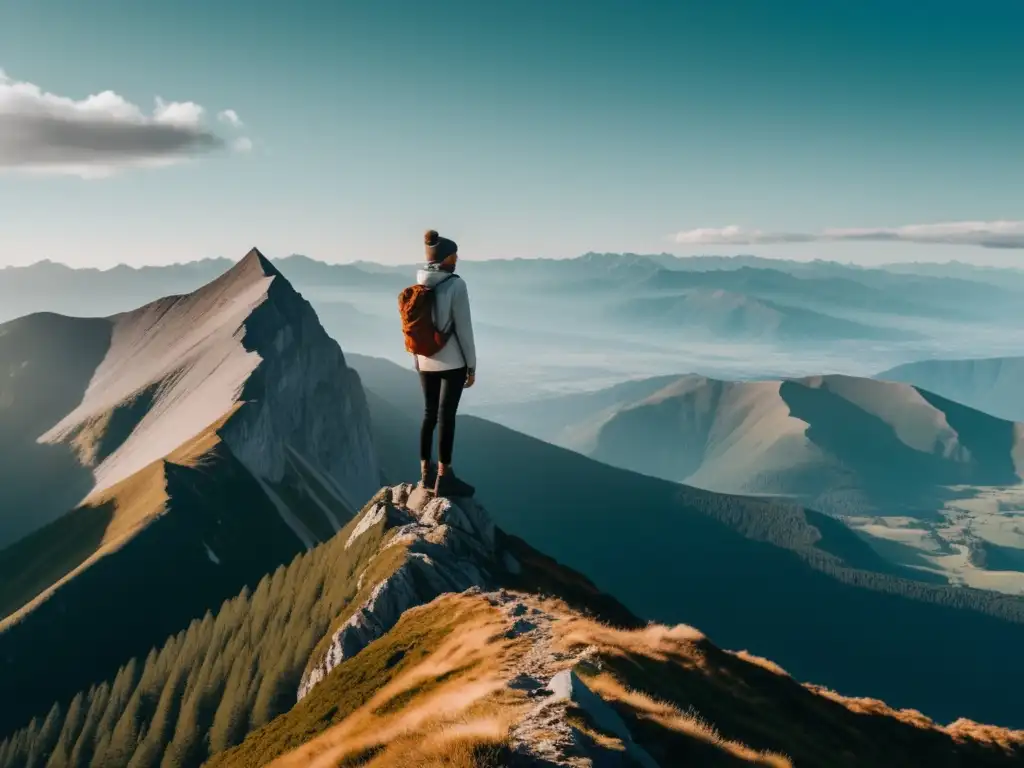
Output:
x=856 y=130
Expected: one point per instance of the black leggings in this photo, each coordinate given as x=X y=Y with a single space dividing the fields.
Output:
x=441 y=393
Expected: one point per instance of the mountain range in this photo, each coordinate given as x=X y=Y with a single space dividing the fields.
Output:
x=201 y=565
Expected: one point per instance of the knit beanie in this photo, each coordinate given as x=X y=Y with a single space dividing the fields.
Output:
x=438 y=248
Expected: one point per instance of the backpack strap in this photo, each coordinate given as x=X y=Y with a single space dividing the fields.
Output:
x=453 y=332
x=451 y=320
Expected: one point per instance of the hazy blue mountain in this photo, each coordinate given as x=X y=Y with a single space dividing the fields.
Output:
x=994 y=385
x=1004 y=277
x=728 y=316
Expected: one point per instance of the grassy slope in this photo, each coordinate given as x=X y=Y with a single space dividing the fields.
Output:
x=355 y=683
x=673 y=553
x=420 y=632
x=435 y=691
x=689 y=702
x=136 y=595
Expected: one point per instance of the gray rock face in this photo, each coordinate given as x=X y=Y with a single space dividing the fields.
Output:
x=450 y=548
x=302 y=398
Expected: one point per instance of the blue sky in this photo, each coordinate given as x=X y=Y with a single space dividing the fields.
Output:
x=526 y=128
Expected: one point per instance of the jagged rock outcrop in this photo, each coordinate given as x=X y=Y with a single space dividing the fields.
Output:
x=447 y=546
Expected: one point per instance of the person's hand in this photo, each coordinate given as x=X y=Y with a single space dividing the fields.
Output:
x=470 y=379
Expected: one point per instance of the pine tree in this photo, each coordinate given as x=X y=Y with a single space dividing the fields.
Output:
x=121 y=693
x=130 y=728
x=184 y=735
x=69 y=733
x=81 y=754
x=231 y=719
x=23 y=743
x=161 y=726
x=46 y=740
x=276 y=695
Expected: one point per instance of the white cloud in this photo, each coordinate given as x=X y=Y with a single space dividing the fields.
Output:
x=186 y=114
x=986 y=234
x=242 y=144
x=230 y=117
x=42 y=132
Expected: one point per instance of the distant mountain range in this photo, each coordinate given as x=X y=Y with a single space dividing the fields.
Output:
x=864 y=296
x=719 y=314
x=994 y=385
x=201 y=565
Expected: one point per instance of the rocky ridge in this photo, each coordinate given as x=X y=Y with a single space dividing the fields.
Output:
x=451 y=546
x=444 y=547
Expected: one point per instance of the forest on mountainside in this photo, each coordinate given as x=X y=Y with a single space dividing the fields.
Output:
x=212 y=683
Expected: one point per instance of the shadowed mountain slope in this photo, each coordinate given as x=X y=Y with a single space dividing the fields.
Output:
x=46 y=363
x=993 y=385
x=800 y=587
x=217 y=434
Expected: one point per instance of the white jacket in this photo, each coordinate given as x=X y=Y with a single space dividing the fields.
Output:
x=451 y=302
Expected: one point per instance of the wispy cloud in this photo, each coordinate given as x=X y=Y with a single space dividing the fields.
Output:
x=230 y=117
x=986 y=234
x=97 y=136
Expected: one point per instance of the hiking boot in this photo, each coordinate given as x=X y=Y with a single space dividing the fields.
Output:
x=451 y=486
x=428 y=477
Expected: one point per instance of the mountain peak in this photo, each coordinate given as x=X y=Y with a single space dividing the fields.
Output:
x=255 y=259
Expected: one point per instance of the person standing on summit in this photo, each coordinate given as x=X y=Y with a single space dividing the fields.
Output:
x=438 y=333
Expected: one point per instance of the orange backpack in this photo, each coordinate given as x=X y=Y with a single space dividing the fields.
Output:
x=416 y=307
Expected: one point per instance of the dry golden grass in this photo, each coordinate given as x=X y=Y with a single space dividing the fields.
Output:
x=672 y=718
x=682 y=699
x=450 y=709
x=867 y=706
x=760 y=661
x=192 y=452
x=751 y=710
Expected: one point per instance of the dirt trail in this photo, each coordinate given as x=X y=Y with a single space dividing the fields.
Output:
x=546 y=736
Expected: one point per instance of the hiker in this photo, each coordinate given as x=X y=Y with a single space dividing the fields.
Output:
x=439 y=334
